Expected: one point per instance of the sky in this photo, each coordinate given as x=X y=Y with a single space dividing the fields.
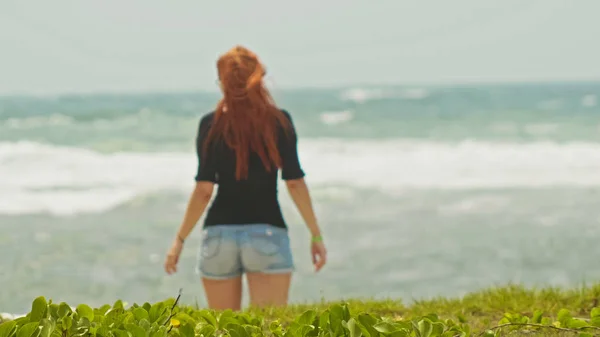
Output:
x=74 y=46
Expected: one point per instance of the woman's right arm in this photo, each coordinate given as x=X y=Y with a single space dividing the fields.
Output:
x=299 y=192
x=293 y=175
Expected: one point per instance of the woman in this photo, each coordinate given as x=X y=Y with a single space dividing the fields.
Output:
x=241 y=146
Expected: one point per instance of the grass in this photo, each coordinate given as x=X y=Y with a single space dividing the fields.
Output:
x=481 y=309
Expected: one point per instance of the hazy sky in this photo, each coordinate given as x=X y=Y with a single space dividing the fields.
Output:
x=114 y=45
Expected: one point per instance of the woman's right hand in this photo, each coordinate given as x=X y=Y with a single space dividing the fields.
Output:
x=319 y=254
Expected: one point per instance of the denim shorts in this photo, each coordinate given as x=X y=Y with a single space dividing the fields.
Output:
x=228 y=251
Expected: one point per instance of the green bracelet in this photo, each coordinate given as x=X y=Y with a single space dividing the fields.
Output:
x=316 y=239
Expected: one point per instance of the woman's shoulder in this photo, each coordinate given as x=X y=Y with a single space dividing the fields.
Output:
x=206 y=120
x=207 y=117
x=205 y=123
x=285 y=113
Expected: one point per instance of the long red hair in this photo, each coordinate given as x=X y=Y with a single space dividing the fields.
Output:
x=246 y=118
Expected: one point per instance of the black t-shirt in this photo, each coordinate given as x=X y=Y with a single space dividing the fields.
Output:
x=252 y=200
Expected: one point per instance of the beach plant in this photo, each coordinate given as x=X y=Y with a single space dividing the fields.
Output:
x=168 y=318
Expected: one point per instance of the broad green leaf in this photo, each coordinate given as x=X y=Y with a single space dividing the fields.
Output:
x=185 y=318
x=208 y=317
x=234 y=329
x=185 y=330
x=425 y=327
x=576 y=323
x=400 y=333
x=353 y=328
x=136 y=330
x=28 y=329
x=103 y=331
x=275 y=328
x=595 y=313
x=243 y=318
x=67 y=322
x=336 y=316
x=450 y=323
x=595 y=321
x=156 y=311
x=102 y=310
x=53 y=310
x=324 y=320
x=368 y=322
x=164 y=319
x=385 y=327
x=118 y=305
x=226 y=317
x=433 y=317
x=7 y=328
x=346 y=312
x=121 y=333
x=207 y=330
x=564 y=316
x=145 y=324
x=307 y=317
x=253 y=330
x=63 y=310
x=84 y=323
x=161 y=332
x=438 y=329
x=39 y=309
x=84 y=311
x=22 y=321
x=47 y=327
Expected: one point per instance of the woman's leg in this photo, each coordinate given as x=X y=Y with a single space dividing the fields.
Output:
x=267 y=259
x=220 y=268
x=223 y=294
x=269 y=289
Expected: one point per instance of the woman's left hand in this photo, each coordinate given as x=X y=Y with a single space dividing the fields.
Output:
x=173 y=257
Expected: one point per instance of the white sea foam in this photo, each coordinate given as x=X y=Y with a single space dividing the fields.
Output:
x=336 y=117
x=62 y=180
x=7 y=316
x=589 y=100
x=362 y=95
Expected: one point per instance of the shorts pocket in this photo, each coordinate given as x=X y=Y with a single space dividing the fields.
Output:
x=211 y=243
x=266 y=242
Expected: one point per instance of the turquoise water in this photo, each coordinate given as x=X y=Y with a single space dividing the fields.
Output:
x=421 y=191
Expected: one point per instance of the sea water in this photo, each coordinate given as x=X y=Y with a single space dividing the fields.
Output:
x=420 y=191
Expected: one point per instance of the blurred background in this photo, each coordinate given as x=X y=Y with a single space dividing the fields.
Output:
x=449 y=145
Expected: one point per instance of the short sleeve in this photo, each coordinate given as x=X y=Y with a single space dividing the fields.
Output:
x=290 y=162
x=207 y=168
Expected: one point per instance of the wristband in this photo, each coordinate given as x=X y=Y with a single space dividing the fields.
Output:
x=316 y=239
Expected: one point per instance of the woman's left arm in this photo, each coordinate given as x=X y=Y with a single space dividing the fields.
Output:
x=196 y=205
x=205 y=183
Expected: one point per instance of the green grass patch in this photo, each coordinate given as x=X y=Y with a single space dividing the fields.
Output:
x=511 y=310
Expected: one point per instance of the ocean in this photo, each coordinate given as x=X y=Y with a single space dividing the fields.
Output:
x=421 y=191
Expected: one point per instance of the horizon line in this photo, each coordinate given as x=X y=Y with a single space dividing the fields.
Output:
x=355 y=85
